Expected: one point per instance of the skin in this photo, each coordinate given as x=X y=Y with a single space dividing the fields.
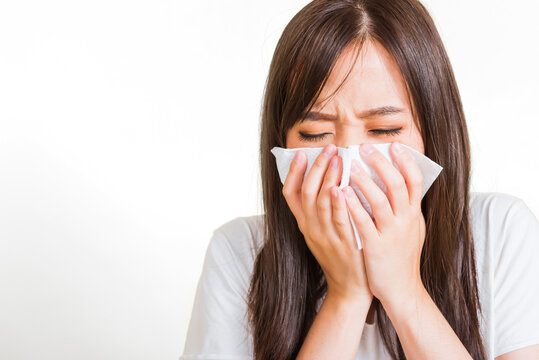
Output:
x=388 y=265
x=374 y=82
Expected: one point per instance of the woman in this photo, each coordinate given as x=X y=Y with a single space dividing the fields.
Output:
x=449 y=276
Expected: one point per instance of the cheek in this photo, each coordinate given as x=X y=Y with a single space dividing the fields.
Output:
x=291 y=140
x=418 y=142
x=414 y=140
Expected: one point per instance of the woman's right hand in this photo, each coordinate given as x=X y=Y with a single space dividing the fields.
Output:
x=321 y=213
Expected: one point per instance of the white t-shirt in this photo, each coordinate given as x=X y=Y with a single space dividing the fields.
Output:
x=506 y=238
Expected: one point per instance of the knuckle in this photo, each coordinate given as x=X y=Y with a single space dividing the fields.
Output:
x=302 y=230
x=378 y=202
x=359 y=218
x=307 y=192
x=319 y=164
x=330 y=175
x=340 y=222
x=397 y=182
x=322 y=206
x=417 y=188
x=326 y=188
x=286 y=191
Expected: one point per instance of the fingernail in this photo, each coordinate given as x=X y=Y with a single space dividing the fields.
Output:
x=354 y=167
x=367 y=148
x=398 y=147
x=348 y=192
x=329 y=149
x=334 y=164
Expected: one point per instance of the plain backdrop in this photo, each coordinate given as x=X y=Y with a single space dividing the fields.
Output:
x=129 y=132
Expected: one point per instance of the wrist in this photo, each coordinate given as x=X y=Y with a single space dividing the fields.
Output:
x=405 y=302
x=345 y=301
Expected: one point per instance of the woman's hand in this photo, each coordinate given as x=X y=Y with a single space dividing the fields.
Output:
x=394 y=241
x=320 y=210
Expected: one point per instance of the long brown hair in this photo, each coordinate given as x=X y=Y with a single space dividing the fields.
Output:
x=287 y=281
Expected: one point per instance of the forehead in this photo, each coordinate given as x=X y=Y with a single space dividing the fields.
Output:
x=374 y=80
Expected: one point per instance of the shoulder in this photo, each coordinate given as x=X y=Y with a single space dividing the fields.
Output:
x=248 y=228
x=234 y=246
x=218 y=328
x=503 y=228
x=243 y=235
x=506 y=237
x=499 y=214
x=494 y=204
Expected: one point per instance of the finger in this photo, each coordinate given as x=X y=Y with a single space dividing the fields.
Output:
x=313 y=181
x=323 y=202
x=381 y=209
x=364 y=225
x=397 y=192
x=341 y=219
x=411 y=173
x=292 y=185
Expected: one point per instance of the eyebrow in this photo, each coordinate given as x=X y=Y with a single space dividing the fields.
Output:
x=379 y=111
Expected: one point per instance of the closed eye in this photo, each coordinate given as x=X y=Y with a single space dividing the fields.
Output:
x=393 y=132
x=312 y=137
x=318 y=137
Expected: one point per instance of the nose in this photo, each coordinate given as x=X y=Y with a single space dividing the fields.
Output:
x=347 y=134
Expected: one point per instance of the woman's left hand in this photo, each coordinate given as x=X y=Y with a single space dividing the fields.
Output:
x=393 y=243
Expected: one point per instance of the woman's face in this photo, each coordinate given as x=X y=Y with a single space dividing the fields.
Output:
x=371 y=106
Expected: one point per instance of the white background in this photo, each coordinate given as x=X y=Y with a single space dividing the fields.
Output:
x=129 y=131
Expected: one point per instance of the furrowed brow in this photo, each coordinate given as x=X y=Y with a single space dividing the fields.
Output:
x=380 y=111
x=315 y=115
x=376 y=112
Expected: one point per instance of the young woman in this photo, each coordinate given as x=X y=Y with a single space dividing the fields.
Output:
x=449 y=276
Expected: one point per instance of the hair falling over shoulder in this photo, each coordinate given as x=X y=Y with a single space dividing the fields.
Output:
x=287 y=281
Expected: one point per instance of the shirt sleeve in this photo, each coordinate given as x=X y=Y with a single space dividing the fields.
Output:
x=218 y=326
x=516 y=279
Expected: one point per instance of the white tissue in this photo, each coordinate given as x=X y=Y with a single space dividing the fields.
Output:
x=429 y=168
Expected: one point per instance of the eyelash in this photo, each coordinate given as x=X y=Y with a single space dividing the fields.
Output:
x=308 y=137
x=392 y=132
x=317 y=137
